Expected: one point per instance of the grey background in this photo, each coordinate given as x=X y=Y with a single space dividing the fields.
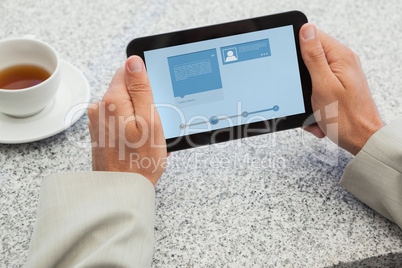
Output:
x=269 y=201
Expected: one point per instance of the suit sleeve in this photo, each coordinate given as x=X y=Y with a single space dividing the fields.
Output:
x=94 y=219
x=375 y=175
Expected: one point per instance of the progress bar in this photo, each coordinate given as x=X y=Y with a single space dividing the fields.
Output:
x=215 y=120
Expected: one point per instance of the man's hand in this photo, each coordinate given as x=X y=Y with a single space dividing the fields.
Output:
x=126 y=130
x=341 y=96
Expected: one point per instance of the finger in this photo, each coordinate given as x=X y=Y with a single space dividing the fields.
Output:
x=93 y=112
x=93 y=115
x=117 y=86
x=334 y=49
x=313 y=53
x=344 y=63
x=116 y=99
x=315 y=130
x=138 y=86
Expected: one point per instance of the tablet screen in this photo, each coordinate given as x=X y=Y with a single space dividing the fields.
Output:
x=225 y=82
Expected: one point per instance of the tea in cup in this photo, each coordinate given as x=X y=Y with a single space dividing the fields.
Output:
x=29 y=76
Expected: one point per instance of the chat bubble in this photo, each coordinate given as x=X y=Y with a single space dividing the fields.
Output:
x=245 y=51
x=195 y=72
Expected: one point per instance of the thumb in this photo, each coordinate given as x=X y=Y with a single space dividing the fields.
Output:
x=138 y=86
x=313 y=53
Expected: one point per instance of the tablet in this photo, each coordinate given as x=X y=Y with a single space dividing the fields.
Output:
x=228 y=81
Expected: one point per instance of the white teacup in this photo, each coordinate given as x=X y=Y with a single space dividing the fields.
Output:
x=29 y=101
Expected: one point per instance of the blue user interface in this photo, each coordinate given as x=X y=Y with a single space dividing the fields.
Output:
x=224 y=82
x=194 y=72
x=246 y=51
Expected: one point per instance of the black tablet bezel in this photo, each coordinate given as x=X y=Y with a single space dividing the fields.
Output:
x=294 y=18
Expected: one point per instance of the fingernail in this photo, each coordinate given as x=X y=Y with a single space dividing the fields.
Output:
x=135 y=65
x=309 y=33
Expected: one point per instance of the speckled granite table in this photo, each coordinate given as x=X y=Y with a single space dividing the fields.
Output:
x=270 y=201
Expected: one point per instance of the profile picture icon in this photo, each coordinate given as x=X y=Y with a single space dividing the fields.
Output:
x=230 y=56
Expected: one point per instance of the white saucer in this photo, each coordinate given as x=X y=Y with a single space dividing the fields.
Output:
x=69 y=104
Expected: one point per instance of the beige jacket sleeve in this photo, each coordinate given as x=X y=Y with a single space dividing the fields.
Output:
x=94 y=219
x=375 y=174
